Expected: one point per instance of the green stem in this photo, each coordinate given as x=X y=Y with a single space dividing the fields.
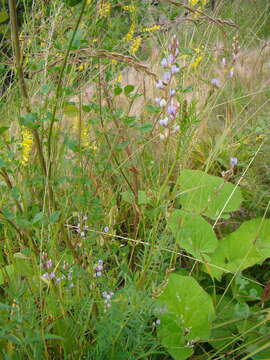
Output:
x=19 y=69
x=59 y=85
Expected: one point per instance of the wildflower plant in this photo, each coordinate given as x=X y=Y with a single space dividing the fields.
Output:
x=168 y=104
x=134 y=214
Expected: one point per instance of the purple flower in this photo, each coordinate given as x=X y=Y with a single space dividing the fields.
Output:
x=158 y=100
x=45 y=276
x=160 y=85
x=106 y=229
x=233 y=161
x=167 y=77
x=172 y=92
x=98 y=273
x=164 y=122
x=164 y=62
x=231 y=72
x=175 y=69
x=172 y=110
x=48 y=264
x=58 y=280
x=99 y=268
x=215 y=82
x=52 y=275
x=162 y=103
x=171 y=59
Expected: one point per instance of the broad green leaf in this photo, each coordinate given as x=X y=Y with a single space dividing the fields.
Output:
x=128 y=89
x=193 y=233
x=3 y=129
x=128 y=196
x=143 y=198
x=207 y=194
x=6 y=272
x=224 y=327
x=186 y=313
x=245 y=247
x=153 y=109
x=30 y=121
x=117 y=90
x=71 y=110
x=3 y=16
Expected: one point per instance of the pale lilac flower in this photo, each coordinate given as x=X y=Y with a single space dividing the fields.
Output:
x=106 y=229
x=52 y=275
x=82 y=234
x=176 y=128
x=45 y=276
x=48 y=264
x=164 y=122
x=58 y=280
x=171 y=59
x=158 y=322
x=172 y=110
x=63 y=277
x=164 y=62
x=162 y=103
x=172 y=92
x=98 y=273
x=167 y=77
x=160 y=85
x=233 y=161
x=99 y=268
x=158 y=100
x=231 y=73
x=215 y=82
x=175 y=69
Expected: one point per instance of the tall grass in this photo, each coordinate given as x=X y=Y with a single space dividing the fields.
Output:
x=91 y=175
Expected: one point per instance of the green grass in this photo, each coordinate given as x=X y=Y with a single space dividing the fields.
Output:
x=97 y=197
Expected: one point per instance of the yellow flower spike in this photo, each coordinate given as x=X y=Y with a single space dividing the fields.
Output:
x=152 y=28
x=130 y=8
x=196 y=62
x=104 y=9
x=114 y=62
x=192 y=3
x=130 y=34
x=135 y=45
x=27 y=145
x=119 y=78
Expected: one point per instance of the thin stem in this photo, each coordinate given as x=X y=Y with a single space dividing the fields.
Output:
x=18 y=64
x=60 y=81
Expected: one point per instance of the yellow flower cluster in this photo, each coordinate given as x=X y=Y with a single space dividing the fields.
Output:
x=135 y=45
x=193 y=3
x=152 y=28
x=130 y=34
x=104 y=8
x=197 y=61
x=201 y=5
x=27 y=145
x=86 y=140
x=130 y=8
